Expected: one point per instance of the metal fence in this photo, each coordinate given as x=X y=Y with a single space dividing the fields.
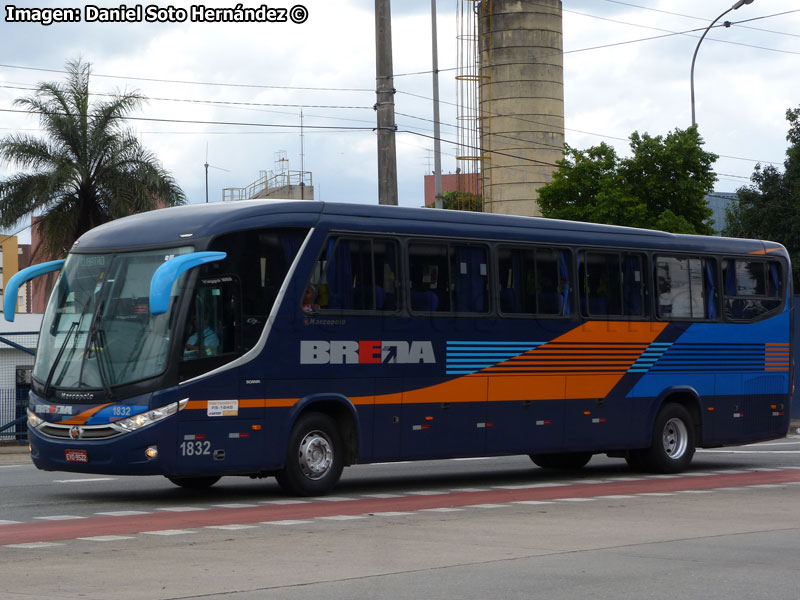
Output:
x=16 y=359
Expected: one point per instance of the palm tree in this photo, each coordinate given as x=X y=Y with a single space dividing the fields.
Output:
x=89 y=169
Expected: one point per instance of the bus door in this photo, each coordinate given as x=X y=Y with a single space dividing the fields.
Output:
x=221 y=430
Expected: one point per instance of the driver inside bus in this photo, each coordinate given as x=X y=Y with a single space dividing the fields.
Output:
x=202 y=342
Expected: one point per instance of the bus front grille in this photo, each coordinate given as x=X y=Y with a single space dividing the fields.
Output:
x=87 y=432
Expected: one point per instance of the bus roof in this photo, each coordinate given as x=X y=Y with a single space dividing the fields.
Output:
x=183 y=224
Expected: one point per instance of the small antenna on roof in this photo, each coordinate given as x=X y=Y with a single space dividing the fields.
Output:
x=206 y=165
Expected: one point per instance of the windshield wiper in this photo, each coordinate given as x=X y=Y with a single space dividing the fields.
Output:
x=100 y=357
x=63 y=347
x=95 y=332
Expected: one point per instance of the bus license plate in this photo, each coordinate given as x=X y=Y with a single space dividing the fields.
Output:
x=79 y=456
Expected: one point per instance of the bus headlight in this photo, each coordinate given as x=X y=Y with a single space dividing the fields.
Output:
x=149 y=417
x=33 y=420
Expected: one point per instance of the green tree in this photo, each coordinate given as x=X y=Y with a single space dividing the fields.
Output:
x=769 y=208
x=462 y=201
x=87 y=170
x=662 y=185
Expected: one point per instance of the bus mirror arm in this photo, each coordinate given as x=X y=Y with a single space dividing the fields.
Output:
x=12 y=288
x=168 y=273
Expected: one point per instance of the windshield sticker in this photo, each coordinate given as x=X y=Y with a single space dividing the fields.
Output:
x=223 y=408
x=93 y=261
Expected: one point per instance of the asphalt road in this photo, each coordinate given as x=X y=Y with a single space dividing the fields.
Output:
x=489 y=528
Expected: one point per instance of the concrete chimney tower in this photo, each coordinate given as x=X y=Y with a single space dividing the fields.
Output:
x=521 y=101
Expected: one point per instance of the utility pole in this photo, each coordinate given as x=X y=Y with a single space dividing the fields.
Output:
x=384 y=90
x=437 y=146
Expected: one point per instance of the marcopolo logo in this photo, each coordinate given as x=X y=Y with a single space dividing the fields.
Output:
x=340 y=352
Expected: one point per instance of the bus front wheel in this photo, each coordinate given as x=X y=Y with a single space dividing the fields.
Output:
x=673 y=443
x=314 y=457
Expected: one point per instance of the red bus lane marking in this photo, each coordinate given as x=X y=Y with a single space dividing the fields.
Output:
x=50 y=531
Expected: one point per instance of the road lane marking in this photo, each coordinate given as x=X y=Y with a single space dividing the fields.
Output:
x=107 y=538
x=168 y=532
x=530 y=486
x=332 y=499
x=123 y=513
x=234 y=527
x=382 y=495
x=391 y=513
x=447 y=501
x=33 y=545
x=234 y=505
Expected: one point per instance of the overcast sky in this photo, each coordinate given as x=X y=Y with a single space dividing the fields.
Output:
x=615 y=83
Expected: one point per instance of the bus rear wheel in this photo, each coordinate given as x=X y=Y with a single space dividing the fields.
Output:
x=195 y=483
x=570 y=461
x=314 y=456
x=673 y=443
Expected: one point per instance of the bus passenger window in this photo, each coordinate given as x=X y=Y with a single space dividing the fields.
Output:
x=429 y=277
x=752 y=288
x=354 y=274
x=686 y=288
x=534 y=281
x=611 y=284
x=448 y=278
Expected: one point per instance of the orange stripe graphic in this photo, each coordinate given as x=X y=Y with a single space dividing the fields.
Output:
x=81 y=418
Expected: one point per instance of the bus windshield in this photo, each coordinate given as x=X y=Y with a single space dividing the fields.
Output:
x=97 y=331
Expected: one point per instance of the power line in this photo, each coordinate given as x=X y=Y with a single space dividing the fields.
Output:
x=696 y=18
x=197 y=122
x=210 y=102
x=600 y=135
x=187 y=82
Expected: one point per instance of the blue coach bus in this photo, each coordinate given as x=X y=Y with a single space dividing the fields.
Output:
x=290 y=339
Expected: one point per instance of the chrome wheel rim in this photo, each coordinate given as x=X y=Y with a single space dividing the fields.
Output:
x=315 y=455
x=675 y=438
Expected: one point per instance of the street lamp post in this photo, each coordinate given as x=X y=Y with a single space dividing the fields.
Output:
x=736 y=6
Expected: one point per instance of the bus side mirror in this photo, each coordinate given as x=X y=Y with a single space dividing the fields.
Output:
x=168 y=273
x=12 y=287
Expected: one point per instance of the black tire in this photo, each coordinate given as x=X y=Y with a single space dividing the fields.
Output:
x=314 y=456
x=673 y=443
x=567 y=461
x=195 y=483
